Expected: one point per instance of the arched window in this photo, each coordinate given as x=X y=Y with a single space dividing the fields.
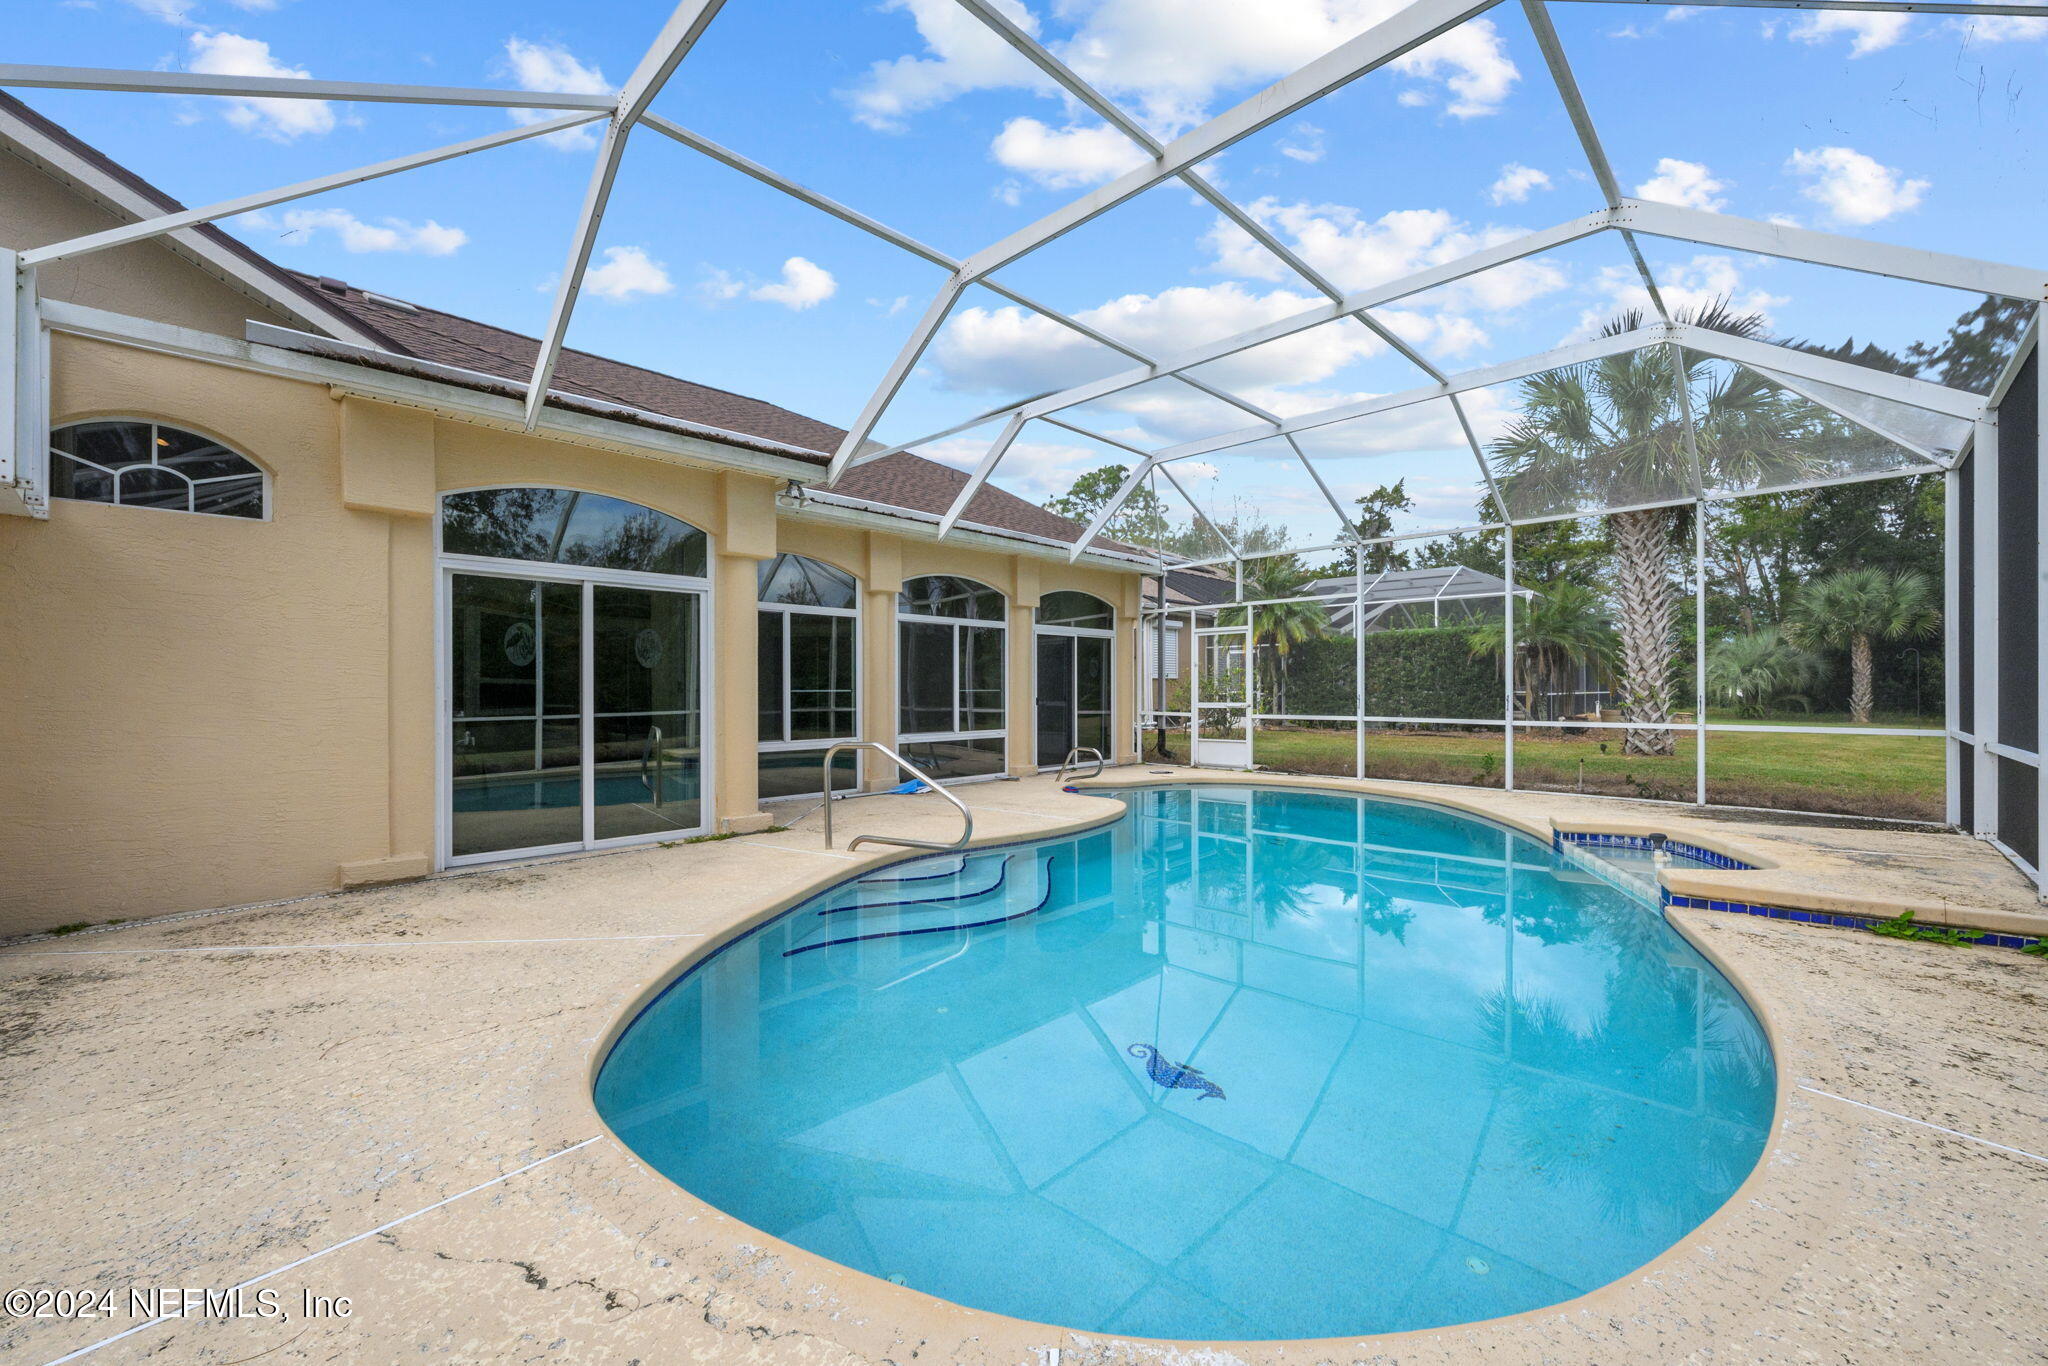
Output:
x=809 y=673
x=561 y=526
x=1075 y=611
x=952 y=643
x=146 y=464
x=946 y=595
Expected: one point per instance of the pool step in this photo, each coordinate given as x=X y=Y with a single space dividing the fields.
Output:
x=1025 y=888
x=971 y=878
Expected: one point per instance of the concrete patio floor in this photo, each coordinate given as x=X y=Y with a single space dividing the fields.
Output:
x=383 y=1095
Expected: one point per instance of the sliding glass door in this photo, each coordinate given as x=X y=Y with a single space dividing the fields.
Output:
x=576 y=714
x=573 y=641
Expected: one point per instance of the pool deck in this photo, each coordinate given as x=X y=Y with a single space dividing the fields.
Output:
x=384 y=1095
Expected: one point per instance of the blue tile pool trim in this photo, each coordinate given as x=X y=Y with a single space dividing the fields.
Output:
x=1833 y=919
x=1705 y=857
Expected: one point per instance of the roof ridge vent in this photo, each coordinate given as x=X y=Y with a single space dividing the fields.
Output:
x=390 y=302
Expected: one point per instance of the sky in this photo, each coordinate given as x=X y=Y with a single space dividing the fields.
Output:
x=1921 y=130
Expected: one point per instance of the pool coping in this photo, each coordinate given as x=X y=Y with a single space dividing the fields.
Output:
x=900 y=1302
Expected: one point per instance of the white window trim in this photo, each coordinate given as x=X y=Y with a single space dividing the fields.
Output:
x=447 y=566
x=787 y=746
x=154 y=424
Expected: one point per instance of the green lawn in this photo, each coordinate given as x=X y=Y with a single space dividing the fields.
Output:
x=1863 y=775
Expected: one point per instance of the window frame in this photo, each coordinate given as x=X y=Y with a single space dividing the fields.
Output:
x=1109 y=670
x=154 y=425
x=801 y=609
x=957 y=625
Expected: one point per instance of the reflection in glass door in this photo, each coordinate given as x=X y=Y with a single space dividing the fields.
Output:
x=575 y=714
x=648 y=726
x=516 y=676
x=1073 y=695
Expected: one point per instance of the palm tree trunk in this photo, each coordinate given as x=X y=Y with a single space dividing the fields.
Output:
x=1859 y=680
x=1643 y=593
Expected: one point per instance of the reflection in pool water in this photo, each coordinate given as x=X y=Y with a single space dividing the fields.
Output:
x=1459 y=1078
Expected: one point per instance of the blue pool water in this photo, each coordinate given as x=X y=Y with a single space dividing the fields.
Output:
x=1249 y=1063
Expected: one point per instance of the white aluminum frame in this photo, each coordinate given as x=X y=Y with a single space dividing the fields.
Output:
x=26 y=321
x=1001 y=624
x=447 y=566
x=1074 y=633
x=853 y=613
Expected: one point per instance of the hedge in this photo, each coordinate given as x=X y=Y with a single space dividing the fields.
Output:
x=1424 y=672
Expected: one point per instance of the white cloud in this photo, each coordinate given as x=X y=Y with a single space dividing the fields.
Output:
x=1169 y=60
x=1515 y=183
x=1087 y=154
x=961 y=54
x=1854 y=188
x=1356 y=251
x=1686 y=183
x=1869 y=32
x=299 y=226
x=627 y=274
x=804 y=284
x=230 y=54
x=2000 y=28
x=553 y=68
x=1686 y=286
x=1304 y=143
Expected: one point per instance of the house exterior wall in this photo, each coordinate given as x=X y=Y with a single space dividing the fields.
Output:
x=213 y=711
x=142 y=279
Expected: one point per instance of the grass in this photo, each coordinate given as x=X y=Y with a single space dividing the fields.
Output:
x=1863 y=775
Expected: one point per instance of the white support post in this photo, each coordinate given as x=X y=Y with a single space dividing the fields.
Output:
x=1486 y=258
x=1699 y=651
x=228 y=208
x=288 y=88
x=2040 y=608
x=1109 y=509
x=1829 y=249
x=686 y=23
x=1951 y=609
x=1762 y=355
x=1401 y=32
x=1507 y=612
x=1963 y=7
x=899 y=370
x=1358 y=653
x=11 y=288
x=24 y=394
x=997 y=449
x=1985 y=623
x=567 y=289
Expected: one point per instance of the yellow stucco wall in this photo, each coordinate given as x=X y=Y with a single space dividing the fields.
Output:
x=212 y=711
x=143 y=279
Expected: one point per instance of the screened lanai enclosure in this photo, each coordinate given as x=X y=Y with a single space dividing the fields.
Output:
x=1586 y=483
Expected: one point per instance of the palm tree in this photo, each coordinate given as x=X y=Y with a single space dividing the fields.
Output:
x=1558 y=630
x=1760 y=671
x=1850 y=608
x=1279 y=627
x=1612 y=433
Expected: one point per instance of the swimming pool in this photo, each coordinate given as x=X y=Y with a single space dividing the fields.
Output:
x=1249 y=1063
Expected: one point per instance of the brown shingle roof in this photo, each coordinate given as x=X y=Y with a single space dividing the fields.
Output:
x=903 y=480
x=429 y=334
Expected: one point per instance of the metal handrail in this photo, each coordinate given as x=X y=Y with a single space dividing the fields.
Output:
x=1074 y=755
x=966 y=816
